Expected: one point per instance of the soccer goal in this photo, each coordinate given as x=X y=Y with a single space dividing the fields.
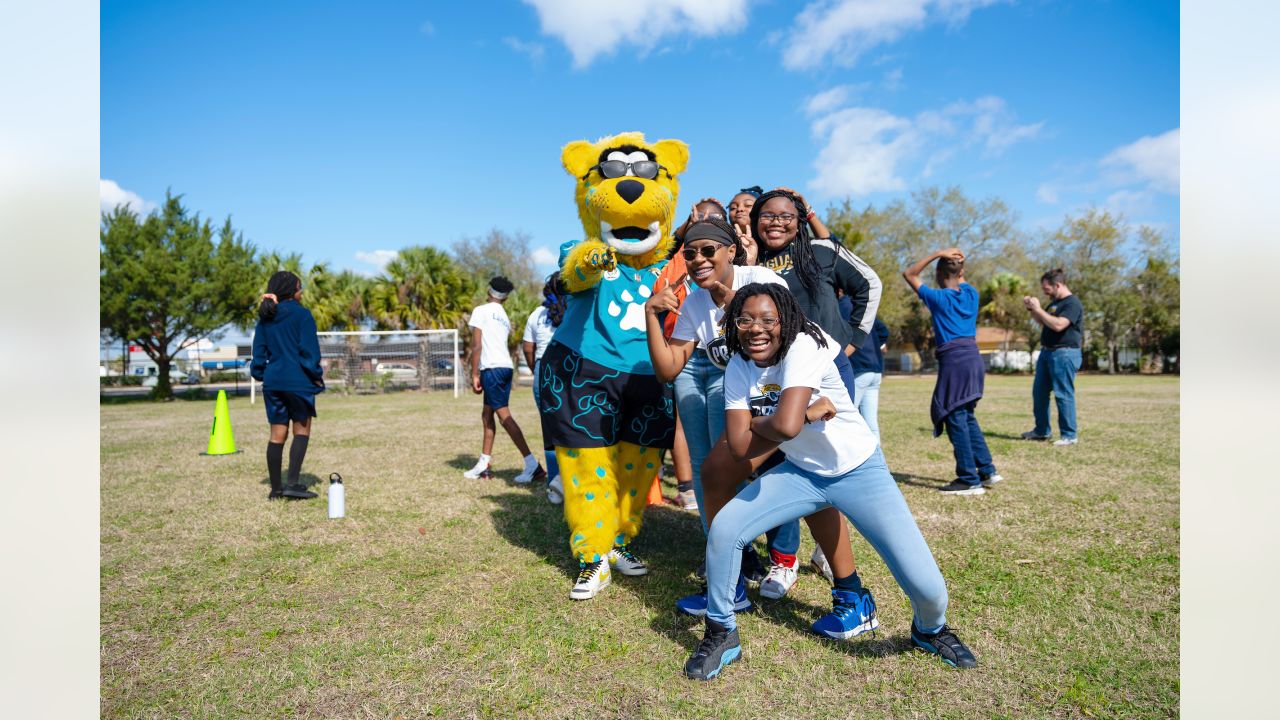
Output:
x=371 y=362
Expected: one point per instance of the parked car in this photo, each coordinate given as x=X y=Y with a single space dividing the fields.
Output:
x=190 y=379
x=401 y=373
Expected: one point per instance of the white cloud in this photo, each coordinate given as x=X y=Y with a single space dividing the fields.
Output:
x=893 y=80
x=827 y=100
x=868 y=150
x=840 y=31
x=1131 y=203
x=535 y=51
x=110 y=195
x=377 y=258
x=591 y=29
x=542 y=256
x=427 y=28
x=1047 y=194
x=1152 y=161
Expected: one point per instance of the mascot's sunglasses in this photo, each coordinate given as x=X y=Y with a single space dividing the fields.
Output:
x=610 y=169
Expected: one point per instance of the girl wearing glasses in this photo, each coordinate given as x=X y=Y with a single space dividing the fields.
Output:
x=694 y=360
x=782 y=391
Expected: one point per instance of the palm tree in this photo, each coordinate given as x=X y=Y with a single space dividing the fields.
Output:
x=421 y=289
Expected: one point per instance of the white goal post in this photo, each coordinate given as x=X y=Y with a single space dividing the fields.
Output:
x=367 y=362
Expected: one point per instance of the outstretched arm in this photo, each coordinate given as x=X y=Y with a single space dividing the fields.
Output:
x=912 y=274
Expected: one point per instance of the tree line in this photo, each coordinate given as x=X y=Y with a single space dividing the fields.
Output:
x=169 y=278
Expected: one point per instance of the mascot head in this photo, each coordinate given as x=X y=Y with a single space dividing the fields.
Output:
x=626 y=190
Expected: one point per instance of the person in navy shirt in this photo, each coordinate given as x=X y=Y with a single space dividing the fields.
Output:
x=954 y=308
x=286 y=360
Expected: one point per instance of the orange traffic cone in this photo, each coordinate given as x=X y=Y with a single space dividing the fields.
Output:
x=655 y=490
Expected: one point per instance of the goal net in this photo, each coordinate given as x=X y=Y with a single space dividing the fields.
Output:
x=381 y=361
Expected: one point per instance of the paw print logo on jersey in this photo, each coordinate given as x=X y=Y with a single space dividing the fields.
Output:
x=633 y=316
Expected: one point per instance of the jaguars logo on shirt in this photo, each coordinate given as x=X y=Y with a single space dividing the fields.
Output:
x=718 y=352
x=766 y=403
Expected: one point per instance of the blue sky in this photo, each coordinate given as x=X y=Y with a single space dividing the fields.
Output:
x=346 y=131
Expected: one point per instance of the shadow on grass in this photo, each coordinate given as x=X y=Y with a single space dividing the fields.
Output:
x=917 y=481
x=305 y=479
x=1006 y=436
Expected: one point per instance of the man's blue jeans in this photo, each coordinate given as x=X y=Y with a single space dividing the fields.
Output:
x=1056 y=371
x=867 y=495
x=973 y=459
x=700 y=402
x=868 y=399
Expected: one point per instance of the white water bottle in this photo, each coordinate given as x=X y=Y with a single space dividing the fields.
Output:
x=337 y=497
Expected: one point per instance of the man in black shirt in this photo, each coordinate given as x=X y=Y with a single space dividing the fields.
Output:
x=1059 y=357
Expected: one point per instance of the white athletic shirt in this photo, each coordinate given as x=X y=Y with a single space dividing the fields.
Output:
x=827 y=448
x=538 y=330
x=495 y=328
x=699 y=318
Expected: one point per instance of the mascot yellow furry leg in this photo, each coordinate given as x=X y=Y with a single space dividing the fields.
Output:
x=605 y=410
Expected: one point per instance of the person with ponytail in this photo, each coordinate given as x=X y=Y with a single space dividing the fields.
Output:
x=782 y=391
x=286 y=360
x=538 y=329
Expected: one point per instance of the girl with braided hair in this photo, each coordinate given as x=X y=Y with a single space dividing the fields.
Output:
x=782 y=391
x=538 y=329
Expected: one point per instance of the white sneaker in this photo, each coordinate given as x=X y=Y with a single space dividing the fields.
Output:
x=531 y=473
x=480 y=470
x=778 y=581
x=622 y=560
x=555 y=490
x=821 y=566
x=592 y=578
x=991 y=480
x=688 y=501
x=1061 y=442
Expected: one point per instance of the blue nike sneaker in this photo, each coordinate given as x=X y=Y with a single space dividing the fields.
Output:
x=719 y=647
x=696 y=604
x=852 y=613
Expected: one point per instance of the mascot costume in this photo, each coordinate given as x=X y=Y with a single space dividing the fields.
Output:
x=607 y=413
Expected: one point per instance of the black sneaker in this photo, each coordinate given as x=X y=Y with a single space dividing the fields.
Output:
x=753 y=568
x=298 y=492
x=955 y=487
x=718 y=648
x=275 y=494
x=945 y=645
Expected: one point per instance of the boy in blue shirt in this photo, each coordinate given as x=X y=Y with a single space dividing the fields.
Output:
x=954 y=307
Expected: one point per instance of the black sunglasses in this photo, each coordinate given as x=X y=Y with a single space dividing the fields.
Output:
x=609 y=169
x=706 y=251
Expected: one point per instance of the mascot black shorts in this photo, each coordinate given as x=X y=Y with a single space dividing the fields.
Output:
x=585 y=404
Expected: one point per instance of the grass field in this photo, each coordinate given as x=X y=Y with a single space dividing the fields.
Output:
x=438 y=596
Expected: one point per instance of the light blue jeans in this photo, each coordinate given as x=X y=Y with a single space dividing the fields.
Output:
x=867 y=495
x=867 y=399
x=1056 y=371
x=700 y=402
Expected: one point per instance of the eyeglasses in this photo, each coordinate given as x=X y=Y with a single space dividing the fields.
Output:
x=745 y=323
x=706 y=251
x=784 y=218
x=609 y=169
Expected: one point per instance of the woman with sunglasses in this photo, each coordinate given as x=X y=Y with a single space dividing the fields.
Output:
x=782 y=391
x=693 y=359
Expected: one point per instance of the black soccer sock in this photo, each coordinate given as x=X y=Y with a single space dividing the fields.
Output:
x=853 y=583
x=275 y=454
x=684 y=486
x=297 y=451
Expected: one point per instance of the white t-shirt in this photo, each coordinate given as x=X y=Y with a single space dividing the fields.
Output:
x=699 y=318
x=495 y=328
x=538 y=330
x=827 y=448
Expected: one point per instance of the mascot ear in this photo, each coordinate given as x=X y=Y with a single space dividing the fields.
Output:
x=578 y=157
x=672 y=155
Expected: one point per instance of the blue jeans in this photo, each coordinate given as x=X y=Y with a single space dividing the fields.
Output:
x=867 y=399
x=973 y=459
x=548 y=450
x=1056 y=371
x=867 y=495
x=700 y=403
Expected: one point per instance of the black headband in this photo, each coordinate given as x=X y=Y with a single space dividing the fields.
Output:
x=706 y=230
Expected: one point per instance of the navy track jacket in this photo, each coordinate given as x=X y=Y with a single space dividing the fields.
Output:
x=286 y=351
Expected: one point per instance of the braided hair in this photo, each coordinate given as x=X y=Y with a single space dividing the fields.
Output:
x=791 y=319
x=739 y=254
x=806 y=264
x=555 y=297
x=283 y=285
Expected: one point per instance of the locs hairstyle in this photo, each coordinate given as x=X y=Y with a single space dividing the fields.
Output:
x=283 y=285
x=791 y=319
x=555 y=297
x=803 y=260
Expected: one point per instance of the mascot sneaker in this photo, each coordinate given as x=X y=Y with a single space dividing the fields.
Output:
x=622 y=560
x=555 y=491
x=852 y=613
x=719 y=647
x=945 y=645
x=696 y=605
x=592 y=578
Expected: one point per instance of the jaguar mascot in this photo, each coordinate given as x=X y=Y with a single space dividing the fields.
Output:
x=607 y=414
